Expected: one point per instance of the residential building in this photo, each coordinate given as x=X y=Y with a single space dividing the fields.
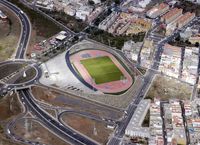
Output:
x=155 y=124
x=171 y=15
x=177 y=122
x=170 y=60
x=69 y=10
x=97 y=1
x=195 y=39
x=190 y=65
x=83 y=12
x=134 y=127
x=131 y=49
x=115 y=25
x=108 y=21
x=45 y=4
x=157 y=10
x=122 y=28
x=94 y=14
x=138 y=25
x=186 y=34
x=185 y=19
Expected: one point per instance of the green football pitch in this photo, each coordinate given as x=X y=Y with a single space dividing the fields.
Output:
x=102 y=69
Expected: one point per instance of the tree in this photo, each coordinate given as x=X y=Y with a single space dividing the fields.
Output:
x=197 y=44
x=117 y=2
x=91 y=2
x=178 y=38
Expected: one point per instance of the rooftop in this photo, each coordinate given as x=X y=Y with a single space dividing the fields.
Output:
x=172 y=13
x=137 y=116
x=185 y=16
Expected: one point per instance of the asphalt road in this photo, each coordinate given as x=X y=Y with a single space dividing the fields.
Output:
x=26 y=28
x=25 y=94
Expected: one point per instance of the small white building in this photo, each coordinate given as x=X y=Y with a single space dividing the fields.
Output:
x=83 y=12
x=97 y=1
x=69 y=10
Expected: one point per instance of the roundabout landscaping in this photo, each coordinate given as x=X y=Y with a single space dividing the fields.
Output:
x=17 y=73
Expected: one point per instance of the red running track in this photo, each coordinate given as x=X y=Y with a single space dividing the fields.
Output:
x=109 y=87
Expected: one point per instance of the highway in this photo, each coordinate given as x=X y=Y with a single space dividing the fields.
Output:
x=25 y=95
x=52 y=124
x=26 y=28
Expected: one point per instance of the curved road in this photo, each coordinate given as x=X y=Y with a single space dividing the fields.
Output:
x=26 y=28
x=25 y=95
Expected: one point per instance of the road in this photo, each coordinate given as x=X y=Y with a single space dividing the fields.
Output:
x=116 y=139
x=25 y=95
x=26 y=29
x=52 y=124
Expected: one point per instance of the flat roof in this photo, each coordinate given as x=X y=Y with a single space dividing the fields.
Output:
x=185 y=17
x=142 y=106
x=61 y=37
x=172 y=13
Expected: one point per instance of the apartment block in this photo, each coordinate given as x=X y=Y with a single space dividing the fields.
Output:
x=108 y=21
x=171 y=15
x=158 y=10
x=185 y=19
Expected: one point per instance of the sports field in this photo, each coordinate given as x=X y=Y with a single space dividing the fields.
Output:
x=102 y=69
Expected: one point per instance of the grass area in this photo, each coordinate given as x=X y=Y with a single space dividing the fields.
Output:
x=30 y=74
x=102 y=69
x=10 y=68
x=94 y=129
x=165 y=88
x=10 y=33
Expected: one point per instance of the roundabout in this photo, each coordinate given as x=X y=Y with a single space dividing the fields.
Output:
x=18 y=74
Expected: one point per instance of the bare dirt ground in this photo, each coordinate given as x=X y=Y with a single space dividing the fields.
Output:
x=51 y=112
x=35 y=38
x=166 y=88
x=75 y=103
x=9 y=108
x=36 y=132
x=10 y=33
x=91 y=128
